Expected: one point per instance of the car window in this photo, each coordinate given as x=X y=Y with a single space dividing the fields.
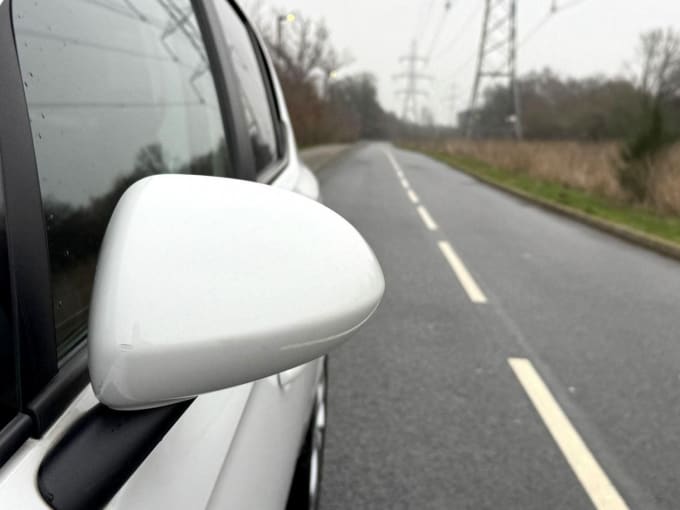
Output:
x=253 y=88
x=116 y=91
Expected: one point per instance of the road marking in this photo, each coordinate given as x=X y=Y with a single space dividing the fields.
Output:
x=473 y=291
x=601 y=491
x=427 y=219
x=405 y=184
x=393 y=161
x=412 y=196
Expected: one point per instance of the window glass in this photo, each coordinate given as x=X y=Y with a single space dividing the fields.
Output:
x=253 y=88
x=116 y=91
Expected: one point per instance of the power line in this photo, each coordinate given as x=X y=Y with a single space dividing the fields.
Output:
x=458 y=33
x=567 y=5
x=442 y=20
x=428 y=11
x=534 y=30
x=423 y=19
x=555 y=8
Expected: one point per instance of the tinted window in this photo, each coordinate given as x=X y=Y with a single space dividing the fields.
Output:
x=117 y=91
x=253 y=88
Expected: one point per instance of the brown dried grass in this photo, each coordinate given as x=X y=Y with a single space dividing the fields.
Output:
x=664 y=186
x=590 y=167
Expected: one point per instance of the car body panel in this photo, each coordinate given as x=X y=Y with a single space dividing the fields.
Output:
x=225 y=439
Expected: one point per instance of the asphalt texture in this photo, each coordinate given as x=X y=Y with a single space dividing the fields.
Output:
x=424 y=410
x=318 y=157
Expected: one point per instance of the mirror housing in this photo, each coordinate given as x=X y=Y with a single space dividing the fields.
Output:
x=204 y=283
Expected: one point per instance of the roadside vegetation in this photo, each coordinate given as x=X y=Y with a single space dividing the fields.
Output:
x=608 y=147
x=544 y=171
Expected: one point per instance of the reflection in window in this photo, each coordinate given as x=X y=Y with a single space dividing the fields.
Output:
x=253 y=90
x=117 y=91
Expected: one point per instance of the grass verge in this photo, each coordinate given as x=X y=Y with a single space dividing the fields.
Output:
x=631 y=217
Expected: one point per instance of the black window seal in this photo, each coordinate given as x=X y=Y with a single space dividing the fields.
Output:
x=33 y=315
x=13 y=435
x=64 y=387
x=99 y=453
x=272 y=171
x=265 y=72
x=234 y=117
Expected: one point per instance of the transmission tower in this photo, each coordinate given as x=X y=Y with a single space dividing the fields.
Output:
x=412 y=78
x=497 y=59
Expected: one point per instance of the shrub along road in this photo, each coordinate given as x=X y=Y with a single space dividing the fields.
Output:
x=518 y=360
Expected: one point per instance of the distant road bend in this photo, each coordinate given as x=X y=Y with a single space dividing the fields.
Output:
x=518 y=360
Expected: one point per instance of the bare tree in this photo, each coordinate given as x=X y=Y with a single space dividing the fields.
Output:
x=660 y=64
x=301 y=48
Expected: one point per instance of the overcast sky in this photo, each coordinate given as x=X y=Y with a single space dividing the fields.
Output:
x=589 y=37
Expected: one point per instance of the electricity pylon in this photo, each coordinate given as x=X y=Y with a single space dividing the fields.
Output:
x=497 y=59
x=412 y=77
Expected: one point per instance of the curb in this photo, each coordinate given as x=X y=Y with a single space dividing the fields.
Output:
x=651 y=242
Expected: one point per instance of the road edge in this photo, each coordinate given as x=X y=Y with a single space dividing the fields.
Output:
x=340 y=154
x=633 y=236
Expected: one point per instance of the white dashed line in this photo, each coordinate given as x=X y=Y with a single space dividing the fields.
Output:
x=427 y=219
x=393 y=162
x=594 y=480
x=412 y=196
x=471 y=288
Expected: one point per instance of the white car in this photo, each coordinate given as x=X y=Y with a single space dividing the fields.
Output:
x=169 y=282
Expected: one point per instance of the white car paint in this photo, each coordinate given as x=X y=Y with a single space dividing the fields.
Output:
x=217 y=453
x=202 y=460
x=206 y=283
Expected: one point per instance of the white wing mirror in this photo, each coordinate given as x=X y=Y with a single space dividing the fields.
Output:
x=205 y=283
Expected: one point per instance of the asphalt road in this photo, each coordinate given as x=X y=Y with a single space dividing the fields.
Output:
x=425 y=409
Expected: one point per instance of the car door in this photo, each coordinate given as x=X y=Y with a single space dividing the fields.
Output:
x=101 y=95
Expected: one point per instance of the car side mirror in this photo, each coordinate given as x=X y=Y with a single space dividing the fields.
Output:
x=204 y=283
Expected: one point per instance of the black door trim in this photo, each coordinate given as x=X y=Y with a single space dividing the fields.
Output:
x=13 y=435
x=235 y=125
x=51 y=402
x=99 y=452
x=33 y=317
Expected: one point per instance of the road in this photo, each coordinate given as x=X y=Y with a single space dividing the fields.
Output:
x=518 y=359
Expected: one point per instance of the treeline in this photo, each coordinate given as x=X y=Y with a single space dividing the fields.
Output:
x=640 y=111
x=326 y=104
x=588 y=109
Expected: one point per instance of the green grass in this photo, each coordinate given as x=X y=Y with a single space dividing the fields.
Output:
x=635 y=217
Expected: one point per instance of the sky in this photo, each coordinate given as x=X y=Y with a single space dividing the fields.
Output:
x=586 y=37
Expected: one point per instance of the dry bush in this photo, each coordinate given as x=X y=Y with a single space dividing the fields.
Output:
x=664 y=186
x=587 y=166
